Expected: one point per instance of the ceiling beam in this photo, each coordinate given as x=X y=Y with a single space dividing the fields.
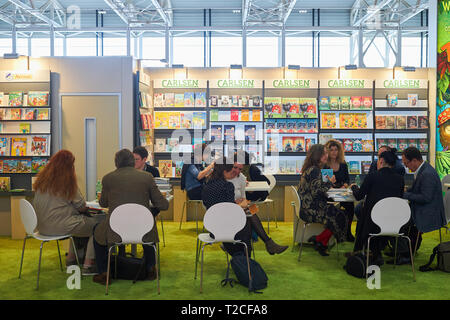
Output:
x=372 y=12
x=37 y=13
x=161 y=12
x=416 y=10
x=245 y=10
x=117 y=10
x=289 y=10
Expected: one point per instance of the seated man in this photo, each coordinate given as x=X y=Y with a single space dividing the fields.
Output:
x=425 y=199
x=140 y=161
x=126 y=185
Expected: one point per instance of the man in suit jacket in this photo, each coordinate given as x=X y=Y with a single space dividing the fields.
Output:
x=425 y=199
x=126 y=185
x=140 y=161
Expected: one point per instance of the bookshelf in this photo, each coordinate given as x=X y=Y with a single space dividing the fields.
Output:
x=291 y=123
x=346 y=114
x=236 y=122
x=25 y=126
x=180 y=121
x=402 y=114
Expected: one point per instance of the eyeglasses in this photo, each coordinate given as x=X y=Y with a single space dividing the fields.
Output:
x=240 y=169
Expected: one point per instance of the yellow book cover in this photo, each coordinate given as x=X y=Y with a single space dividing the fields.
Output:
x=5 y=184
x=25 y=127
x=328 y=120
x=245 y=115
x=165 y=168
x=161 y=120
x=174 y=120
x=256 y=115
x=360 y=121
x=346 y=121
x=18 y=147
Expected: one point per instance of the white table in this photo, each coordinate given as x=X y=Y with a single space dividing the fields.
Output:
x=257 y=186
x=341 y=195
x=96 y=205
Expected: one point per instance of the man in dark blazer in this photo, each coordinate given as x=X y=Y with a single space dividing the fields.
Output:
x=140 y=161
x=126 y=185
x=425 y=196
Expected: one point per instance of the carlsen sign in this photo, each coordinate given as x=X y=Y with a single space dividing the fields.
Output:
x=291 y=84
x=346 y=84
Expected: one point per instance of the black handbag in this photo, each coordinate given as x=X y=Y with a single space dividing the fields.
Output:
x=356 y=265
x=128 y=268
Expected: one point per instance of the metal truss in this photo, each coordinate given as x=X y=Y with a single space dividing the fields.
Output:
x=137 y=13
x=266 y=12
x=22 y=14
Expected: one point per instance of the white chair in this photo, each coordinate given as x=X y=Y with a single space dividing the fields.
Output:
x=224 y=220
x=29 y=220
x=447 y=213
x=267 y=201
x=445 y=180
x=196 y=203
x=131 y=222
x=390 y=214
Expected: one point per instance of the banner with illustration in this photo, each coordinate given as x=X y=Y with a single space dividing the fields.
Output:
x=443 y=89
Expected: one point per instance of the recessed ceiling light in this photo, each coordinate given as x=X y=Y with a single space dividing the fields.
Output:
x=303 y=11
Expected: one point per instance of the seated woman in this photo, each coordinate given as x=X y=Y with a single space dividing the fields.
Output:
x=239 y=182
x=336 y=161
x=253 y=173
x=59 y=206
x=382 y=184
x=218 y=190
x=193 y=175
x=314 y=207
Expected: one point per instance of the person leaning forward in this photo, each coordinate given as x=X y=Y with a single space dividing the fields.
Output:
x=126 y=185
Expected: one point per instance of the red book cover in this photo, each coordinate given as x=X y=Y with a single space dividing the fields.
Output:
x=234 y=115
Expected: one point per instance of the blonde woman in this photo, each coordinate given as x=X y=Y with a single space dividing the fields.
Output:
x=336 y=161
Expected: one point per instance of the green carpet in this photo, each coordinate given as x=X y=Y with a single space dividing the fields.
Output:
x=315 y=277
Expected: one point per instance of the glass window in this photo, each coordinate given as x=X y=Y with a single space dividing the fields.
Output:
x=81 y=47
x=226 y=51
x=376 y=54
x=22 y=46
x=411 y=47
x=59 y=47
x=188 y=51
x=153 y=48
x=299 y=51
x=334 y=51
x=40 y=47
x=114 y=46
x=262 y=51
x=5 y=46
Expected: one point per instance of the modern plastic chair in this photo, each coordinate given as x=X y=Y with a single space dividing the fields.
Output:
x=29 y=220
x=224 y=221
x=445 y=180
x=131 y=222
x=268 y=201
x=196 y=203
x=390 y=214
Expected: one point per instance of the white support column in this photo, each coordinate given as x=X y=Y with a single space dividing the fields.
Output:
x=128 y=42
x=244 y=47
x=360 y=48
x=29 y=45
x=141 y=48
x=398 y=62
x=65 y=46
x=432 y=34
x=52 y=41
x=14 y=40
x=282 y=48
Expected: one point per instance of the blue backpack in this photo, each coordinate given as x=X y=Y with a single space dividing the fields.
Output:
x=240 y=268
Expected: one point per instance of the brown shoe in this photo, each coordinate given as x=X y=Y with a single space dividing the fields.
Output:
x=273 y=248
x=101 y=278
x=151 y=274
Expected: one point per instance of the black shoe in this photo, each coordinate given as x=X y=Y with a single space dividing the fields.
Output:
x=350 y=238
x=400 y=261
x=379 y=261
x=313 y=240
x=322 y=249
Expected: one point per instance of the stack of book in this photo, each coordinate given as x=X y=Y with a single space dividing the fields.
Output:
x=345 y=103
x=277 y=107
x=235 y=101
x=177 y=100
x=401 y=122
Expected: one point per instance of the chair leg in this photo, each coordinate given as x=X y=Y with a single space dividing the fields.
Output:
x=295 y=230
x=39 y=266
x=440 y=236
x=248 y=267
x=108 y=269
x=301 y=242
x=75 y=252
x=159 y=260
x=157 y=265
x=412 y=257
x=268 y=220
x=23 y=252
x=275 y=214
x=182 y=214
x=196 y=217
x=367 y=256
x=395 y=251
x=417 y=241
x=201 y=270
x=59 y=254
x=196 y=258
x=162 y=229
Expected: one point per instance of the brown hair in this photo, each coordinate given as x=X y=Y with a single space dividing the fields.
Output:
x=124 y=158
x=313 y=156
x=222 y=165
x=58 y=176
x=338 y=145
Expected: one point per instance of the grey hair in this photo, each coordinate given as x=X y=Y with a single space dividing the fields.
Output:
x=124 y=158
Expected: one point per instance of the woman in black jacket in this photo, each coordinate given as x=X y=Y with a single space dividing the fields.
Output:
x=382 y=184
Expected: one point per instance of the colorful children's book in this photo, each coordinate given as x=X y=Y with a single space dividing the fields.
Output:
x=160 y=145
x=174 y=120
x=345 y=103
x=39 y=146
x=346 y=120
x=412 y=143
x=309 y=142
x=255 y=101
x=347 y=145
x=324 y=138
x=334 y=103
x=225 y=102
x=360 y=121
x=390 y=122
x=357 y=145
x=235 y=101
x=169 y=99
x=423 y=122
x=302 y=125
x=272 y=107
x=179 y=100
x=165 y=168
x=15 y=99
x=271 y=125
x=4 y=146
x=354 y=167
x=29 y=114
x=234 y=115
x=392 y=100
x=328 y=120
x=214 y=101
x=25 y=127
x=299 y=144
x=402 y=144
x=324 y=103
x=356 y=102
x=380 y=122
x=23 y=166
x=422 y=144
x=250 y=132
x=244 y=101
x=200 y=99
x=199 y=120
x=367 y=103
x=189 y=99
x=282 y=125
x=161 y=120
x=245 y=115
x=178 y=168
x=15 y=114
x=400 y=122
x=272 y=144
x=367 y=145
x=312 y=125
x=381 y=142
x=413 y=99
x=43 y=114
x=38 y=98
x=5 y=184
x=326 y=174
x=158 y=100
x=365 y=167
x=412 y=122
x=256 y=115
x=37 y=164
x=172 y=145
x=214 y=115
x=288 y=144
x=216 y=132
x=392 y=143
x=18 y=146
x=186 y=120
x=291 y=106
x=229 y=132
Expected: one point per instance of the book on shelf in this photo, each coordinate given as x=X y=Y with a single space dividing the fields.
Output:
x=282 y=125
x=346 y=120
x=43 y=114
x=381 y=142
x=357 y=145
x=216 y=132
x=355 y=102
x=255 y=102
x=345 y=103
x=169 y=100
x=189 y=99
x=4 y=146
x=24 y=127
x=367 y=103
x=38 y=98
x=347 y=144
x=291 y=107
x=324 y=138
x=234 y=115
x=161 y=120
x=287 y=144
x=422 y=144
x=271 y=125
x=15 y=99
x=23 y=166
x=160 y=145
x=144 y=122
x=309 y=142
x=380 y=122
x=165 y=168
x=291 y=125
x=334 y=103
x=234 y=101
x=229 y=132
x=158 y=100
x=225 y=102
x=291 y=166
x=142 y=100
x=179 y=100
x=39 y=146
x=214 y=115
x=308 y=107
x=29 y=114
x=412 y=122
x=19 y=146
x=244 y=101
x=327 y=174
x=200 y=99
x=392 y=100
x=299 y=144
x=311 y=125
x=367 y=145
x=390 y=122
x=282 y=167
x=400 y=122
x=178 y=168
x=272 y=144
x=214 y=101
x=14 y=114
x=392 y=143
x=422 y=122
x=250 y=132
x=174 y=120
x=245 y=115
x=354 y=167
x=402 y=144
x=172 y=145
x=9 y=166
x=328 y=120
x=256 y=115
x=324 y=103
x=272 y=106
x=186 y=119
x=301 y=125
x=412 y=99
x=37 y=164
x=365 y=167
x=360 y=121
x=199 y=120
x=412 y=143
x=5 y=184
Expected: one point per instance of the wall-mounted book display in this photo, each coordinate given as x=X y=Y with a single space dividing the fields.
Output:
x=25 y=126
